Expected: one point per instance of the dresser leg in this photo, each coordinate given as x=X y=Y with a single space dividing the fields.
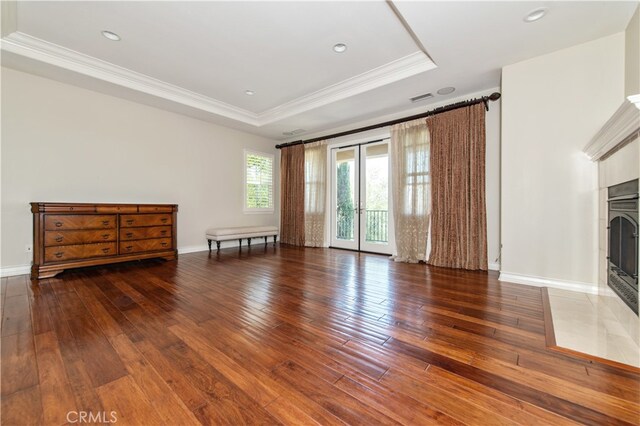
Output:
x=209 y=241
x=218 y=245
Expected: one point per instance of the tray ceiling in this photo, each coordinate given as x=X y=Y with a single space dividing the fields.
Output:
x=199 y=58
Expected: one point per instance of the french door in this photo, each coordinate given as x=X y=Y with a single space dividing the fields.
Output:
x=361 y=197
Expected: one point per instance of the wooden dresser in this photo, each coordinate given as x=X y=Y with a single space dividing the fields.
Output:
x=71 y=235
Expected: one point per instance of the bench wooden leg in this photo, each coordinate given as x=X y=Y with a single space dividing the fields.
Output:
x=265 y=240
x=274 y=240
x=209 y=241
x=239 y=242
x=218 y=245
x=249 y=242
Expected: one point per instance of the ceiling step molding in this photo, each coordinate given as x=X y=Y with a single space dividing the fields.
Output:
x=618 y=130
x=402 y=68
x=40 y=50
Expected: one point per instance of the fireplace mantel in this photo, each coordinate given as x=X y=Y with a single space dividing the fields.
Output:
x=619 y=129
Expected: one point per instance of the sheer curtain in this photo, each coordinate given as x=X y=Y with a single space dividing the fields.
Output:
x=315 y=193
x=411 y=208
x=292 y=195
x=459 y=223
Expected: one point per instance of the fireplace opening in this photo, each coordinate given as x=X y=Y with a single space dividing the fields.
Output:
x=623 y=242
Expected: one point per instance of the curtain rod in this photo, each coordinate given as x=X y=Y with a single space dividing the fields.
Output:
x=485 y=100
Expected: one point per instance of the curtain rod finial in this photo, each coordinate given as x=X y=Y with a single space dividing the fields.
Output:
x=494 y=96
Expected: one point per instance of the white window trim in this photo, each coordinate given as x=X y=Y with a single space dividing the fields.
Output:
x=248 y=210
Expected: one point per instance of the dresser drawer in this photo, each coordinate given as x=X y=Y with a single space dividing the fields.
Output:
x=138 y=246
x=132 y=220
x=155 y=209
x=81 y=251
x=63 y=238
x=62 y=222
x=117 y=209
x=144 y=233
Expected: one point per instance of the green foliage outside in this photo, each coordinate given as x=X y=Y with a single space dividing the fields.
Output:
x=345 y=202
x=259 y=182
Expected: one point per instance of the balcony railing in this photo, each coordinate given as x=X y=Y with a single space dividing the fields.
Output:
x=377 y=225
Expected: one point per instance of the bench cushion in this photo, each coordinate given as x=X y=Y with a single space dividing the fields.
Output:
x=242 y=230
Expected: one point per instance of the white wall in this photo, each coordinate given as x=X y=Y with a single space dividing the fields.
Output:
x=64 y=143
x=632 y=55
x=552 y=106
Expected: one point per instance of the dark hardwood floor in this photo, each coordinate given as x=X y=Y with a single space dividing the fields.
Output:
x=274 y=335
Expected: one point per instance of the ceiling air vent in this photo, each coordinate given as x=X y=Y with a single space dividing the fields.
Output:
x=294 y=132
x=422 y=97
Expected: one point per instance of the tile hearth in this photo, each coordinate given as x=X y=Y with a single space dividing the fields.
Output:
x=584 y=323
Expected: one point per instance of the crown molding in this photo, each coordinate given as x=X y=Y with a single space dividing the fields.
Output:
x=43 y=51
x=402 y=68
x=40 y=50
x=622 y=124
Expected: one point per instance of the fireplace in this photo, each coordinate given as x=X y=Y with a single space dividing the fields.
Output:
x=623 y=242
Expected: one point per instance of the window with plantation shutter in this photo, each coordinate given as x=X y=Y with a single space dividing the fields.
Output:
x=258 y=182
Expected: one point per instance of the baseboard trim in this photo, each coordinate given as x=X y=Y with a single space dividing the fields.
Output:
x=494 y=267
x=548 y=282
x=12 y=271
x=192 y=249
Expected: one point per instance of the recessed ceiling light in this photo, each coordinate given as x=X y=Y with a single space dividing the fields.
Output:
x=339 y=47
x=446 y=90
x=249 y=92
x=111 y=35
x=535 y=14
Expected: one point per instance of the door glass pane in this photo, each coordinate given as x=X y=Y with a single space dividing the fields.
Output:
x=377 y=193
x=345 y=194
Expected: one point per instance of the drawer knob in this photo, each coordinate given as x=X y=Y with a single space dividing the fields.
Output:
x=106 y=250
x=163 y=232
x=59 y=254
x=58 y=224
x=163 y=244
x=105 y=222
x=129 y=221
x=164 y=220
x=128 y=248
x=105 y=236
x=59 y=239
x=129 y=234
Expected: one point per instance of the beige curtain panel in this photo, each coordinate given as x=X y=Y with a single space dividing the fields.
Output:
x=458 y=217
x=292 y=195
x=409 y=150
x=315 y=193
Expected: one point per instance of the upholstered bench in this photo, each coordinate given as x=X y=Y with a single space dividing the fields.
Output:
x=240 y=233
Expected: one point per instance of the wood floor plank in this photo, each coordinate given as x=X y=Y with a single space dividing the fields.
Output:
x=167 y=405
x=102 y=362
x=16 y=315
x=123 y=399
x=22 y=408
x=233 y=371
x=291 y=335
x=19 y=368
x=331 y=398
x=57 y=396
x=386 y=399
